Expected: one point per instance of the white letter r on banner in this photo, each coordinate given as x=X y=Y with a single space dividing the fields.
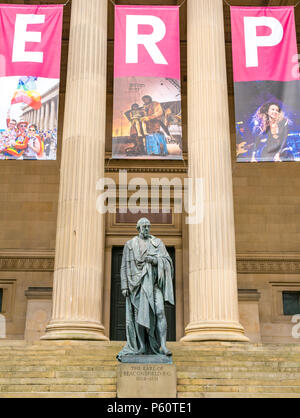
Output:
x=22 y=36
x=253 y=41
x=133 y=39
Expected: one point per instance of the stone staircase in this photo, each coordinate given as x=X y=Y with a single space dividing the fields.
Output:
x=206 y=370
x=223 y=370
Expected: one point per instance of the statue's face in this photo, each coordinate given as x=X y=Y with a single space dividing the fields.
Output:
x=145 y=230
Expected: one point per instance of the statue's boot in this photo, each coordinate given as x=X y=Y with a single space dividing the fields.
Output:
x=164 y=350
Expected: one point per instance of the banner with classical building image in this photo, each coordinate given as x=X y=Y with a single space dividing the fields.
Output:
x=29 y=81
x=266 y=83
x=147 y=118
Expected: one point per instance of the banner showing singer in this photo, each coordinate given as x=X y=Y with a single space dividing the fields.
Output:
x=266 y=83
x=147 y=121
x=30 y=51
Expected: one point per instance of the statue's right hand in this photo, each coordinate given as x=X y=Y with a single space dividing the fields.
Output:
x=125 y=293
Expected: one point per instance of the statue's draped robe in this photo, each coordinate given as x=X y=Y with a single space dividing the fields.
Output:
x=142 y=280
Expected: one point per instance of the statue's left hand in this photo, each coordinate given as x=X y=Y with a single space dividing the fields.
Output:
x=151 y=260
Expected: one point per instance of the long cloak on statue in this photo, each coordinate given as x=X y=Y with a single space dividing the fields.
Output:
x=142 y=280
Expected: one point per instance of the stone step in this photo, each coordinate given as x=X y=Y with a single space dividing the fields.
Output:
x=238 y=388
x=51 y=373
x=224 y=395
x=102 y=381
x=113 y=354
x=238 y=382
x=57 y=388
x=209 y=374
x=38 y=368
x=57 y=395
x=89 y=369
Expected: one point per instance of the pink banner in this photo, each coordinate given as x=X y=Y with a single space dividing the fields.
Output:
x=31 y=40
x=30 y=54
x=264 y=44
x=148 y=41
x=266 y=84
x=147 y=121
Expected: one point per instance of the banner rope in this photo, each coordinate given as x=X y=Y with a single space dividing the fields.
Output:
x=184 y=1
x=226 y=2
x=114 y=4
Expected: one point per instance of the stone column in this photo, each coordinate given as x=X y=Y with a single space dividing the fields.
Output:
x=79 y=263
x=47 y=114
x=52 y=114
x=42 y=117
x=38 y=118
x=212 y=255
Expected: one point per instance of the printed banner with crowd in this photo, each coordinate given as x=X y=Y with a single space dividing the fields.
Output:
x=30 y=51
x=147 y=118
x=266 y=83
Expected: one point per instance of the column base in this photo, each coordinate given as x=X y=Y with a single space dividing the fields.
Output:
x=74 y=331
x=215 y=331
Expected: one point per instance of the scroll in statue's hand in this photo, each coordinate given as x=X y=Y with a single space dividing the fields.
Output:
x=125 y=293
x=151 y=260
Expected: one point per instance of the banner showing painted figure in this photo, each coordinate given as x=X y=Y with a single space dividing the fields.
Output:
x=30 y=51
x=147 y=119
x=266 y=84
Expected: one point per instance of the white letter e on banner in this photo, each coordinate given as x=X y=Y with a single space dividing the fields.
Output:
x=253 y=41
x=22 y=36
x=133 y=39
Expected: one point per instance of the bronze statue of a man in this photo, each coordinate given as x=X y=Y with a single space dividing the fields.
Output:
x=147 y=283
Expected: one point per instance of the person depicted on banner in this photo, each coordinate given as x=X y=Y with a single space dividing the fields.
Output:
x=271 y=130
x=155 y=139
x=47 y=143
x=17 y=147
x=135 y=115
x=137 y=134
x=35 y=145
x=10 y=135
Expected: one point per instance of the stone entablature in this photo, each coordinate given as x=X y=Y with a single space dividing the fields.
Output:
x=259 y=263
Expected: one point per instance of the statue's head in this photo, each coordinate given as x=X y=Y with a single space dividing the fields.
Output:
x=143 y=226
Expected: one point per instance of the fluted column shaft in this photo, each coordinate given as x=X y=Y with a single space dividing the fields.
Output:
x=42 y=117
x=212 y=264
x=47 y=115
x=78 y=277
x=52 y=115
x=38 y=118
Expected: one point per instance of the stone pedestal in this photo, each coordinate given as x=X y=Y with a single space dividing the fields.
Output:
x=140 y=381
x=39 y=307
x=249 y=314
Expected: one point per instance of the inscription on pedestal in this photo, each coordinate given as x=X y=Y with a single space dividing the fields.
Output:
x=146 y=381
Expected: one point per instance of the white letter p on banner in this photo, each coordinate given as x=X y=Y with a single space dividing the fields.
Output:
x=133 y=39
x=252 y=41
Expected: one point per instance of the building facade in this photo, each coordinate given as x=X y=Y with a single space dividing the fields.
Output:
x=237 y=273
